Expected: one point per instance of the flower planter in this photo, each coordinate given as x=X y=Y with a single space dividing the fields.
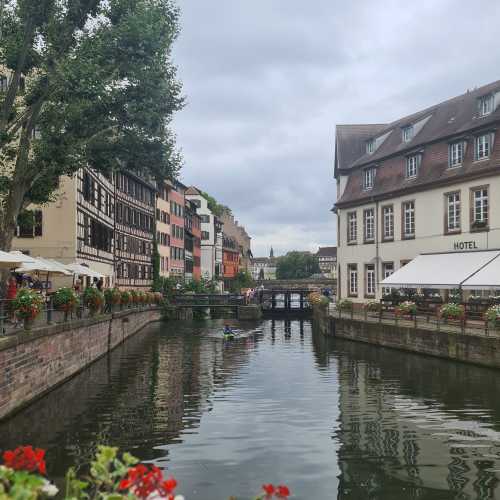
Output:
x=28 y=324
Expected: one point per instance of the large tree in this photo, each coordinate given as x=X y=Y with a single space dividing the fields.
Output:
x=297 y=265
x=90 y=83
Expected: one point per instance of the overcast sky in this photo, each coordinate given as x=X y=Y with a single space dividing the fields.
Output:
x=267 y=80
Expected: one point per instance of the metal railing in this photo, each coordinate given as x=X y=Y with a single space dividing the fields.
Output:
x=208 y=300
x=427 y=320
x=50 y=315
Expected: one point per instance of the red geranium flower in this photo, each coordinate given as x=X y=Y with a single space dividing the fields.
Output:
x=25 y=458
x=269 y=489
x=143 y=481
x=282 y=491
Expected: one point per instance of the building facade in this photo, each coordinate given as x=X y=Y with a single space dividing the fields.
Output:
x=428 y=182
x=134 y=230
x=192 y=242
x=211 y=237
x=233 y=230
x=230 y=260
x=264 y=268
x=163 y=228
x=327 y=260
x=176 y=192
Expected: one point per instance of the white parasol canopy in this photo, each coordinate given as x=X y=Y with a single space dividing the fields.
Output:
x=81 y=270
x=13 y=259
x=40 y=264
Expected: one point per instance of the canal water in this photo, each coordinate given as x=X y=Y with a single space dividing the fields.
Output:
x=330 y=418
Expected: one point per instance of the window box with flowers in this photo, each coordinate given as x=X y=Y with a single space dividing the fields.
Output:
x=126 y=298
x=492 y=316
x=66 y=300
x=27 y=306
x=113 y=298
x=406 y=309
x=345 y=305
x=452 y=311
x=93 y=299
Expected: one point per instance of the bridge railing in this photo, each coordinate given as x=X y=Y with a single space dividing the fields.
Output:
x=208 y=300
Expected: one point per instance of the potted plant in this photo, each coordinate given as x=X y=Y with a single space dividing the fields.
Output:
x=373 y=306
x=125 y=298
x=452 y=311
x=345 y=305
x=406 y=308
x=27 y=306
x=492 y=315
x=93 y=299
x=66 y=300
x=134 y=297
x=113 y=297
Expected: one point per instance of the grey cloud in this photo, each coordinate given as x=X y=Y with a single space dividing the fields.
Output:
x=267 y=81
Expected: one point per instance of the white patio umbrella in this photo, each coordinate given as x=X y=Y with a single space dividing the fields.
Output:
x=45 y=266
x=81 y=270
x=12 y=259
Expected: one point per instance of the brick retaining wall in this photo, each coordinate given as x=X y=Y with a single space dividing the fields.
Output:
x=477 y=349
x=32 y=363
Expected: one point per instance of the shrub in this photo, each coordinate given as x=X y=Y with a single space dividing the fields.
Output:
x=452 y=311
x=405 y=308
x=113 y=296
x=316 y=299
x=65 y=299
x=27 y=304
x=344 y=305
x=93 y=299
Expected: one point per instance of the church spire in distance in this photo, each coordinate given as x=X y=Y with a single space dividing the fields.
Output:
x=271 y=253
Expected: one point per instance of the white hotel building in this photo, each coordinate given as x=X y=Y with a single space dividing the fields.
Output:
x=429 y=182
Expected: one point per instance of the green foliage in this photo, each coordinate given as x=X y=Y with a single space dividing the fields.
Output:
x=373 y=306
x=125 y=297
x=113 y=296
x=93 y=298
x=166 y=286
x=345 y=305
x=65 y=299
x=406 y=308
x=452 y=311
x=242 y=280
x=27 y=304
x=202 y=285
x=100 y=91
x=493 y=314
x=215 y=207
x=20 y=484
x=296 y=265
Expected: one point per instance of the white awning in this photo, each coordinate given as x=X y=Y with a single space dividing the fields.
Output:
x=487 y=278
x=13 y=259
x=39 y=264
x=442 y=270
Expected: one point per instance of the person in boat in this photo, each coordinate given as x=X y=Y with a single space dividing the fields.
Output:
x=228 y=330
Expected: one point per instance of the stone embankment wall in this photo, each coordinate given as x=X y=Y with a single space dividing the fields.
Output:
x=32 y=363
x=477 y=349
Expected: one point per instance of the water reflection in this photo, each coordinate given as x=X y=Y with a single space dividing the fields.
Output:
x=331 y=418
x=418 y=425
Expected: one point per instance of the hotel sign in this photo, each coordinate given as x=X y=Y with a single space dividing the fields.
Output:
x=464 y=245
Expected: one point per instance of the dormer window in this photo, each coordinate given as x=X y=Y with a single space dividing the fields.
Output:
x=368 y=178
x=486 y=104
x=412 y=166
x=370 y=146
x=407 y=133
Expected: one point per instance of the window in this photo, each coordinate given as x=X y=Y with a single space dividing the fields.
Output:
x=29 y=224
x=408 y=220
x=352 y=227
x=352 y=273
x=368 y=178
x=369 y=224
x=486 y=104
x=452 y=212
x=205 y=235
x=408 y=133
x=370 y=146
x=483 y=146
x=370 y=279
x=456 y=154
x=387 y=270
x=388 y=222
x=205 y=218
x=479 y=208
x=412 y=165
